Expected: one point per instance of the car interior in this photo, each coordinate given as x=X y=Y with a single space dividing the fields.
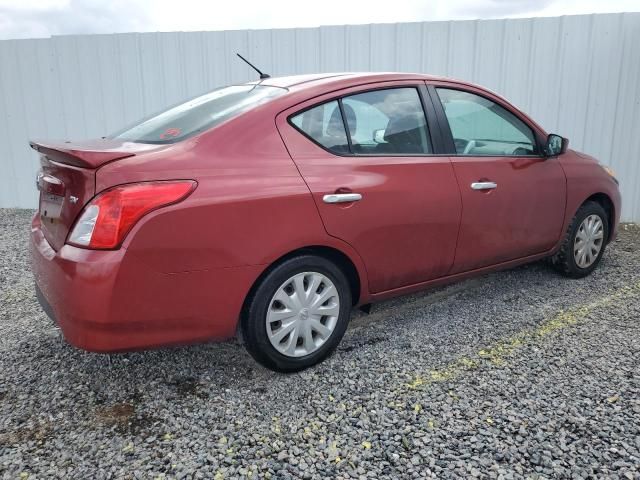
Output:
x=392 y=122
x=377 y=128
x=481 y=127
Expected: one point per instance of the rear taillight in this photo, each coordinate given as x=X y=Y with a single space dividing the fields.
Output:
x=107 y=219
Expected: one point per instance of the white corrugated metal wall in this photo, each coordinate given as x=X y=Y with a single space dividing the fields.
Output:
x=578 y=76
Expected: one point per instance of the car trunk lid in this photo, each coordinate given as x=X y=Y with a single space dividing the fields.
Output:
x=66 y=181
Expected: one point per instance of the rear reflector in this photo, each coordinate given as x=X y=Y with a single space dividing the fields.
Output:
x=106 y=220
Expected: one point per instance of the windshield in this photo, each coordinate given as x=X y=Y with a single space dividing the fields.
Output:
x=198 y=114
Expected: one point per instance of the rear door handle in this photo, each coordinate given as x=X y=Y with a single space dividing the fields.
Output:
x=484 y=185
x=341 y=197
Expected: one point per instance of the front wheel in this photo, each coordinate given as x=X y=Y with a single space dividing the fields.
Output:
x=298 y=314
x=584 y=242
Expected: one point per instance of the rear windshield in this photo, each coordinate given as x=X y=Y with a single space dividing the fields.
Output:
x=198 y=114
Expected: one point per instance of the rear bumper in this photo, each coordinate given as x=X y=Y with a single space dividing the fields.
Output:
x=44 y=303
x=107 y=301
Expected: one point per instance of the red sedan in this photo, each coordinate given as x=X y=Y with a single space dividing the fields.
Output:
x=273 y=208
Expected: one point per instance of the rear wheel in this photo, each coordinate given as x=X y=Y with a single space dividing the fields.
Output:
x=584 y=242
x=298 y=314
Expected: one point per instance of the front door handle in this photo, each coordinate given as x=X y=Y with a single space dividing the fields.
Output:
x=341 y=197
x=484 y=185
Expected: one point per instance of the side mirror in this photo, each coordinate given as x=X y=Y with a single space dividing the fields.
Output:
x=378 y=136
x=556 y=145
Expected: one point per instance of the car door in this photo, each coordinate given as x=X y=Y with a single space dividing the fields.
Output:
x=366 y=154
x=513 y=198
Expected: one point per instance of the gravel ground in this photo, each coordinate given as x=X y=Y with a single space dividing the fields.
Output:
x=516 y=374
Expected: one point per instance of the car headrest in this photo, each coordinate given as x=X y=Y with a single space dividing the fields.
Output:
x=401 y=127
x=335 y=128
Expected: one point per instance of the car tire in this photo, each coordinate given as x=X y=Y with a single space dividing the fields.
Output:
x=295 y=289
x=568 y=260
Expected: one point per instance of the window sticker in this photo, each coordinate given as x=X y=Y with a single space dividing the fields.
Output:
x=170 y=133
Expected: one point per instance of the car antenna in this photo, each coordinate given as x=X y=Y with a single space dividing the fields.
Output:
x=262 y=75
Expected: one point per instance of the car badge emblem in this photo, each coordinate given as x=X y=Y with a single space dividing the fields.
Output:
x=73 y=199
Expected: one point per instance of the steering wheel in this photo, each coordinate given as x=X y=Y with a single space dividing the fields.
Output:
x=471 y=144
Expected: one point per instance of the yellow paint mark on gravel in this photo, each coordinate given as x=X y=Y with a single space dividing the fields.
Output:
x=497 y=353
x=276 y=428
x=416 y=382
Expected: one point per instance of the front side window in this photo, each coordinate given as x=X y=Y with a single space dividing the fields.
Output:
x=379 y=122
x=482 y=127
x=198 y=114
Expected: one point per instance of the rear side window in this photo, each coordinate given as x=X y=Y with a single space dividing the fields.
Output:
x=389 y=121
x=324 y=125
x=379 y=122
x=482 y=127
x=198 y=114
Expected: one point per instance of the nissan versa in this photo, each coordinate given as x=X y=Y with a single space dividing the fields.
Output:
x=272 y=208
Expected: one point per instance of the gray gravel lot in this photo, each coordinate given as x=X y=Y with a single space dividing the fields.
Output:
x=516 y=374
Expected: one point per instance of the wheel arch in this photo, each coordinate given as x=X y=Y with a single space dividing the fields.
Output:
x=341 y=259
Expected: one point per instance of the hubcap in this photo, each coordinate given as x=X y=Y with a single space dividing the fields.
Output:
x=588 y=242
x=303 y=314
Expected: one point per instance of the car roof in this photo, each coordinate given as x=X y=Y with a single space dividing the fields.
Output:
x=326 y=79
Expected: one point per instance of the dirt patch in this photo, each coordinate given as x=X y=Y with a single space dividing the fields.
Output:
x=39 y=434
x=118 y=413
x=188 y=387
x=124 y=418
x=366 y=342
